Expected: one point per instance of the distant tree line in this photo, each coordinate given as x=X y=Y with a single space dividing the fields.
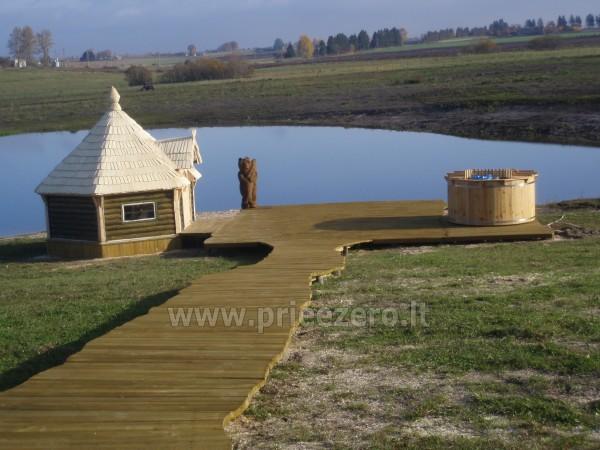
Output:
x=227 y=47
x=25 y=44
x=501 y=28
x=91 y=55
x=341 y=43
x=393 y=37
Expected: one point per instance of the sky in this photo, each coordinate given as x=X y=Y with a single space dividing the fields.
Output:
x=141 y=26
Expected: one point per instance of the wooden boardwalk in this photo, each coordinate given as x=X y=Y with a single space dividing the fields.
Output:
x=150 y=385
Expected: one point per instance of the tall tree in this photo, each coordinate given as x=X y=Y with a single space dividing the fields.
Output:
x=499 y=28
x=290 y=52
x=540 y=25
x=22 y=43
x=45 y=43
x=363 y=40
x=375 y=40
x=278 y=45
x=590 y=21
x=342 y=43
x=28 y=43
x=353 y=39
x=331 y=46
x=572 y=20
x=322 y=48
x=562 y=23
x=15 y=42
x=306 y=48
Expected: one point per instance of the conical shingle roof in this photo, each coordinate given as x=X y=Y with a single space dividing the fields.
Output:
x=117 y=156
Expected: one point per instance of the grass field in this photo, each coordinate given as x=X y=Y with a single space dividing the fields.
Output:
x=541 y=96
x=150 y=61
x=166 y=61
x=508 y=356
x=465 y=42
x=50 y=309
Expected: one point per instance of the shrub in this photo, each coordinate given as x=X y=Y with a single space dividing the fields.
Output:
x=207 y=69
x=236 y=67
x=138 y=76
x=484 y=46
x=545 y=43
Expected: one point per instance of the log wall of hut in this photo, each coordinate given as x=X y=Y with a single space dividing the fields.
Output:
x=162 y=225
x=71 y=217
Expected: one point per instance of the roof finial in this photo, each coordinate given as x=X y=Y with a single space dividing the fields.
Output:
x=114 y=99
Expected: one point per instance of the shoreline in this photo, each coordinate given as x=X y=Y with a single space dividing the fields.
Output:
x=513 y=95
x=584 y=128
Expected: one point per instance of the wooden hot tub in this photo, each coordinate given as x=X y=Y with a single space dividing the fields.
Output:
x=487 y=197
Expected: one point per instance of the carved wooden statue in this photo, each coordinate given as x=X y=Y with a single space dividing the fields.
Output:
x=247 y=176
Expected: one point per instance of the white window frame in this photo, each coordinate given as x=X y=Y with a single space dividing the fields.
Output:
x=137 y=204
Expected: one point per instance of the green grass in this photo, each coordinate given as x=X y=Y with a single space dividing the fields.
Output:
x=50 y=309
x=151 y=61
x=509 y=356
x=465 y=42
x=454 y=93
x=474 y=327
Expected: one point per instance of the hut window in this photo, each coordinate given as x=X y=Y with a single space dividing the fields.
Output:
x=135 y=212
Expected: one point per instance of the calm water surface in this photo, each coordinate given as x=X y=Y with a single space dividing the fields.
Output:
x=309 y=165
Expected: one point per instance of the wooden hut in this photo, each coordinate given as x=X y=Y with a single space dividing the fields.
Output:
x=120 y=192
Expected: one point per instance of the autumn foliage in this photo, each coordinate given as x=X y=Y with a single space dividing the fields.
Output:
x=207 y=69
x=306 y=48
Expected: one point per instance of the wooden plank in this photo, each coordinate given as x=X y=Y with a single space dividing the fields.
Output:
x=99 y=201
x=72 y=217
x=147 y=384
x=115 y=227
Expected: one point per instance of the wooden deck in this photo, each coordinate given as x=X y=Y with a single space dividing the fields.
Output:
x=150 y=385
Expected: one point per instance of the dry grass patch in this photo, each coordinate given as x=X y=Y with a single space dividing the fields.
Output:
x=509 y=358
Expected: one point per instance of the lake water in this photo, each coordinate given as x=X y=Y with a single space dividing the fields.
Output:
x=309 y=165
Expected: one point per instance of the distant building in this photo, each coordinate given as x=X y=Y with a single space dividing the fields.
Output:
x=19 y=63
x=56 y=63
x=121 y=192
